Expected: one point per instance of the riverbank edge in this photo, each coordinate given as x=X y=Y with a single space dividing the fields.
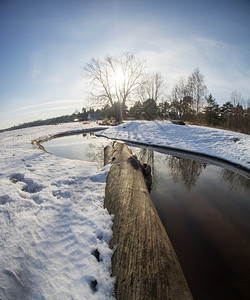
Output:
x=44 y=139
x=144 y=262
x=209 y=158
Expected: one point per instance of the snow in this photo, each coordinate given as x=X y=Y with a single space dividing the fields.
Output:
x=227 y=145
x=55 y=233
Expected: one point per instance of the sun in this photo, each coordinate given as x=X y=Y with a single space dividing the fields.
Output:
x=118 y=78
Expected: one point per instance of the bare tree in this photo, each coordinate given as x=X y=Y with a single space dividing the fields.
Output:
x=152 y=87
x=180 y=90
x=115 y=79
x=197 y=89
x=237 y=98
x=181 y=102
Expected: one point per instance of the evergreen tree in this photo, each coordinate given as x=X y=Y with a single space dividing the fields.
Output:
x=212 y=111
x=163 y=110
x=186 y=111
x=150 y=109
x=136 y=110
x=226 y=111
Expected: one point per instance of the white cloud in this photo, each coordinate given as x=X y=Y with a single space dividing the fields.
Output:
x=51 y=103
x=220 y=62
x=35 y=113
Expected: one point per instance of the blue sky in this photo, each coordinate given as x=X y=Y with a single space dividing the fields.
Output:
x=44 y=45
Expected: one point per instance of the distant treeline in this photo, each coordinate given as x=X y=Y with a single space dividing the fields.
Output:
x=51 y=121
x=228 y=116
x=84 y=115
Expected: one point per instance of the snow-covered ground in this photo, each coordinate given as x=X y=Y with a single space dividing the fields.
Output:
x=54 y=231
x=228 y=145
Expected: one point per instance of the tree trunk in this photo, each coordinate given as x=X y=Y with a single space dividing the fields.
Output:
x=144 y=262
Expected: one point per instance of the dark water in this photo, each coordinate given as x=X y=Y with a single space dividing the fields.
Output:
x=205 y=210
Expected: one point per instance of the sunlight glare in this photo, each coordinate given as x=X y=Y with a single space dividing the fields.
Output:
x=119 y=78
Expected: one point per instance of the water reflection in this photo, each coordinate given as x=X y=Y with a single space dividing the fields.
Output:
x=207 y=223
x=146 y=156
x=185 y=170
x=235 y=181
x=88 y=135
x=94 y=148
x=181 y=170
x=86 y=147
x=95 y=153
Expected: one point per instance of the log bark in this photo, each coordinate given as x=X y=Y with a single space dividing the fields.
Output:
x=144 y=262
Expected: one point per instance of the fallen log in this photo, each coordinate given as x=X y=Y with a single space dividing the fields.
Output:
x=144 y=262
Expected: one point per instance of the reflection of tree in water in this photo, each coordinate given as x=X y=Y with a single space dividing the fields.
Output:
x=185 y=170
x=95 y=149
x=147 y=156
x=181 y=169
x=88 y=135
x=96 y=153
x=236 y=181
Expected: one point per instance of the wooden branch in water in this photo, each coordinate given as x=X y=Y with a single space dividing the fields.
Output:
x=144 y=262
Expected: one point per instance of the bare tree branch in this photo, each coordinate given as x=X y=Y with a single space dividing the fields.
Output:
x=116 y=78
x=152 y=87
x=197 y=89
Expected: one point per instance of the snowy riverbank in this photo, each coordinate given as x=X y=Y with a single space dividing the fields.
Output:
x=228 y=145
x=54 y=231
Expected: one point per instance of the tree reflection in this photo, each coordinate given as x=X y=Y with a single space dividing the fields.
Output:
x=236 y=181
x=185 y=170
x=88 y=135
x=181 y=169
x=95 y=153
x=147 y=156
x=95 y=150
